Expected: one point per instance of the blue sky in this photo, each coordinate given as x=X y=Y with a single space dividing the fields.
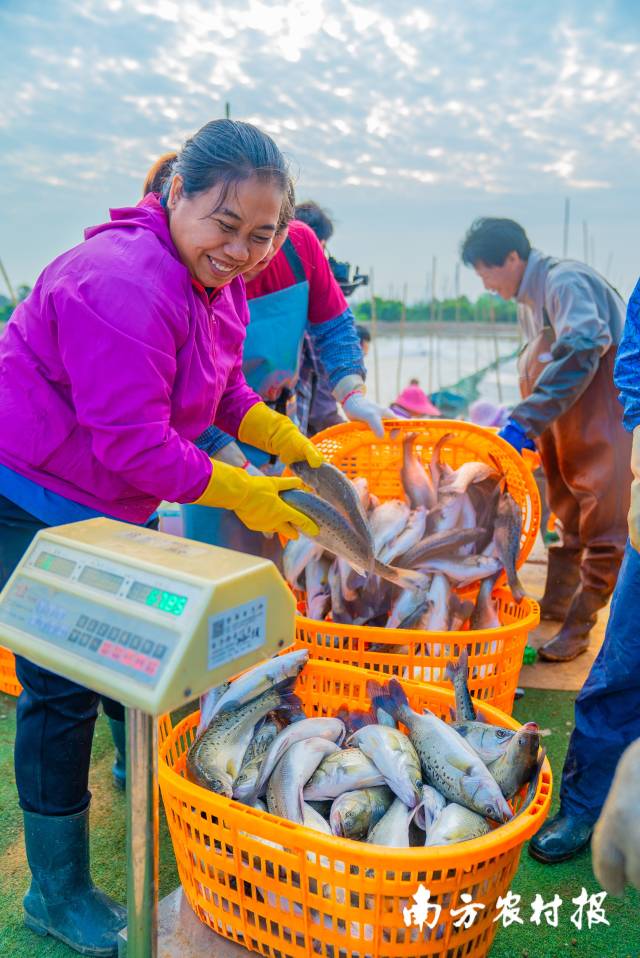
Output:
x=406 y=119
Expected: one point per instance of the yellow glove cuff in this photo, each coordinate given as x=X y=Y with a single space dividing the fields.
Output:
x=276 y=434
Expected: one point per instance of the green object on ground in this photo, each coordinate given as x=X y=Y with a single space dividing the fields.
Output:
x=530 y=655
x=552 y=710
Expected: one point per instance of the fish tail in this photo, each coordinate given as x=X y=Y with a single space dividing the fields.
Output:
x=455 y=669
x=517 y=590
x=390 y=698
x=354 y=719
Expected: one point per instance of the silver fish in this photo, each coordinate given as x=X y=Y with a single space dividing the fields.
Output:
x=409 y=537
x=416 y=481
x=448 y=761
x=484 y=614
x=436 y=618
x=465 y=475
x=387 y=522
x=465 y=570
x=456 y=824
x=212 y=760
x=297 y=555
x=331 y=729
x=436 y=467
x=331 y=484
x=445 y=543
x=295 y=768
x=457 y=675
x=313 y=819
x=515 y=766
x=261 y=677
x=353 y=814
x=256 y=751
x=489 y=741
x=394 y=755
x=449 y=511
x=430 y=808
x=318 y=592
x=459 y=611
x=340 y=539
x=406 y=605
x=393 y=828
x=506 y=536
x=344 y=771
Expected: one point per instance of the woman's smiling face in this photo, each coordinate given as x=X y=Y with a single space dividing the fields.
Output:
x=218 y=237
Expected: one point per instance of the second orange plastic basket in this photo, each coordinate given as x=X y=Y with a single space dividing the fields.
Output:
x=8 y=678
x=495 y=655
x=286 y=891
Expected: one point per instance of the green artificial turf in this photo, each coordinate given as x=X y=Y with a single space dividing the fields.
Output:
x=552 y=710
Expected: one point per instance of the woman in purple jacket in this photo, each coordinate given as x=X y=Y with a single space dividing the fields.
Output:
x=129 y=346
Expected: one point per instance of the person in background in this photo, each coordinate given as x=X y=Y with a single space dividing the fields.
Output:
x=291 y=292
x=129 y=345
x=607 y=712
x=413 y=403
x=572 y=320
x=317 y=219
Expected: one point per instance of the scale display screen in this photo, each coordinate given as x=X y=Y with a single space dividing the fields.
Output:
x=99 y=579
x=112 y=638
x=55 y=564
x=157 y=598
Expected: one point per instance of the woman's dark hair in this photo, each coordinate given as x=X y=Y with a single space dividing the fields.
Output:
x=159 y=173
x=315 y=217
x=224 y=152
x=288 y=208
x=490 y=240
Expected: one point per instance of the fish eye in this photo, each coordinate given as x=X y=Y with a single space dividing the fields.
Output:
x=502 y=733
x=490 y=810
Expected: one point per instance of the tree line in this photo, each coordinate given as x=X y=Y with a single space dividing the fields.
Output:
x=442 y=310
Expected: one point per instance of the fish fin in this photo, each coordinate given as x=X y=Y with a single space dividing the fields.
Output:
x=405 y=578
x=354 y=719
x=517 y=590
x=390 y=698
x=453 y=669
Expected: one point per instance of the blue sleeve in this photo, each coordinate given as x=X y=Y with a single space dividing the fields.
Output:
x=212 y=440
x=337 y=346
x=627 y=369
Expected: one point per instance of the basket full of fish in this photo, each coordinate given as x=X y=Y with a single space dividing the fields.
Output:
x=307 y=802
x=421 y=536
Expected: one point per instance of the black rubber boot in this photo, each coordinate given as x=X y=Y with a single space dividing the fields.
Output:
x=560 y=838
x=573 y=638
x=119 y=769
x=62 y=900
x=563 y=578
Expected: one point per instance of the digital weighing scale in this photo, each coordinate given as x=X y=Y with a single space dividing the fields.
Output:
x=152 y=621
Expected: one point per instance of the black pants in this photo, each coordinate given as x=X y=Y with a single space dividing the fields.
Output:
x=55 y=717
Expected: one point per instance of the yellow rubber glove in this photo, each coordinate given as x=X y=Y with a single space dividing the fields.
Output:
x=634 y=511
x=276 y=434
x=256 y=501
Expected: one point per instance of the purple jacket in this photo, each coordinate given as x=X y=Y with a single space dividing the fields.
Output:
x=114 y=365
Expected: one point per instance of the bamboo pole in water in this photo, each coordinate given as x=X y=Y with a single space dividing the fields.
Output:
x=12 y=294
x=374 y=338
x=457 y=326
x=496 y=349
x=565 y=233
x=403 y=324
x=432 y=317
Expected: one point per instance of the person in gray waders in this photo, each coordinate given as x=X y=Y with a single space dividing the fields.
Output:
x=572 y=320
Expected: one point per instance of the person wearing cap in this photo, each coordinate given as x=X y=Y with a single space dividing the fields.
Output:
x=413 y=403
x=572 y=320
x=482 y=412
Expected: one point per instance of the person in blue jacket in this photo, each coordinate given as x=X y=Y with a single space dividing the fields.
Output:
x=607 y=710
x=572 y=320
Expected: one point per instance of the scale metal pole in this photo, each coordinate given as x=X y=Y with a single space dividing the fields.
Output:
x=142 y=835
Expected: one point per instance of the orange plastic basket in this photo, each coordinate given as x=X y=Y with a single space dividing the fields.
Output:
x=8 y=678
x=289 y=892
x=495 y=655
